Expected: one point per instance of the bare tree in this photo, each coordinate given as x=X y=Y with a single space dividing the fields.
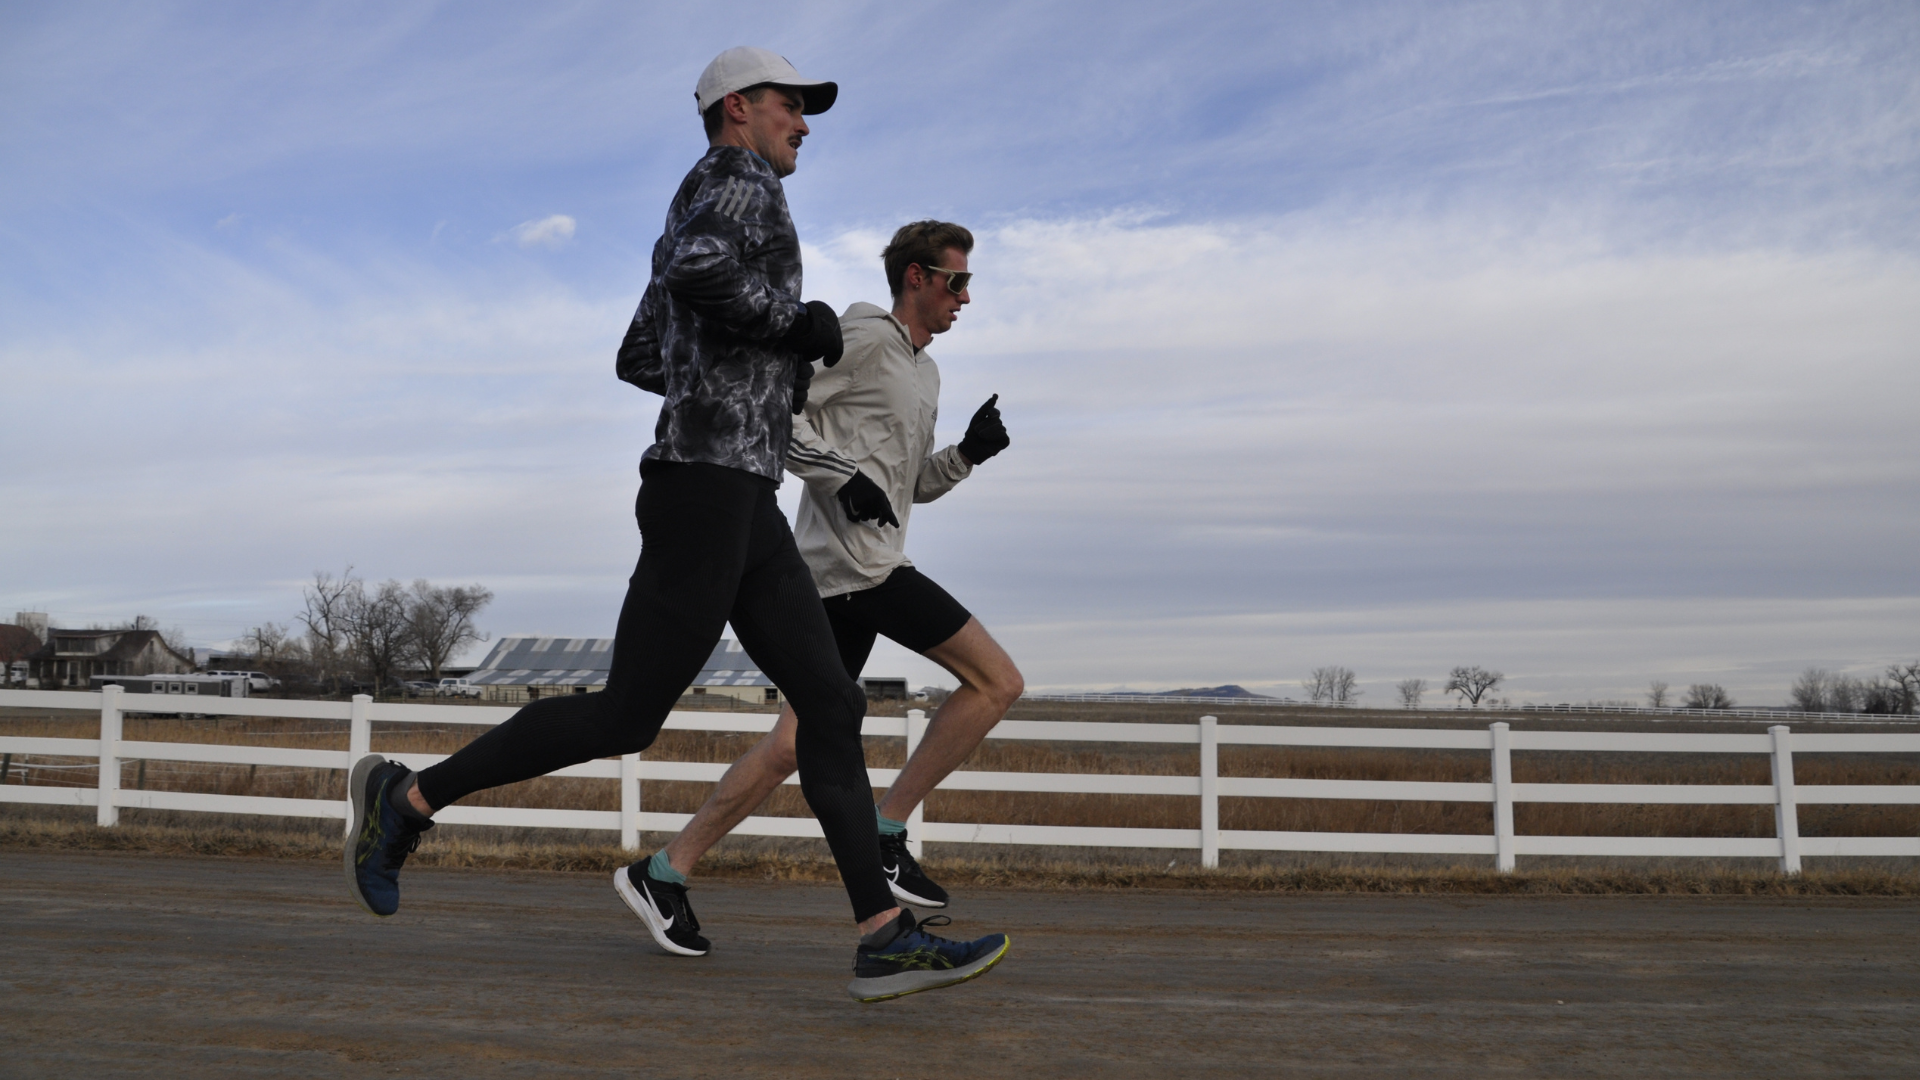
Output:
x=1845 y=693
x=1905 y=679
x=1472 y=683
x=1316 y=686
x=1410 y=691
x=1657 y=695
x=267 y=643
x=1707 y=696
x=1332 y=685
x=379 y=634
x=1345 y=686
x=327 y=619
x=1881 y=697
x=1809 y=693
x=441 y=619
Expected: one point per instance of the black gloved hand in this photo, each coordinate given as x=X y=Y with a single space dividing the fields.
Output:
x=814 y=335
x=864 y=501
x=986 y=435
x=802 y=379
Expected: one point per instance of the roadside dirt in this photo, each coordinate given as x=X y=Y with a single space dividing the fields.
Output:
x=120 y=965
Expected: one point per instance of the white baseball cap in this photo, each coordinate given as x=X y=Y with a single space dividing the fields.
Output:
x=737 y=69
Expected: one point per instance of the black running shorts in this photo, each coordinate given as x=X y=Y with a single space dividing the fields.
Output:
x=908 y=607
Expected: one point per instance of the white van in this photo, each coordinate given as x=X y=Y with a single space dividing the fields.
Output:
x=456 y=688
x=256 y=680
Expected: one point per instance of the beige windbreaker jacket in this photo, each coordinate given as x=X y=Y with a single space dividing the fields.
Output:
x=874 y=411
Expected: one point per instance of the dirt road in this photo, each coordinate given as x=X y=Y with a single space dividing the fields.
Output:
x=123 y=966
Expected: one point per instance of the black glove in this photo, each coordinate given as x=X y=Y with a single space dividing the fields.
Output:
x=986 y=435
x=863 y=500
x=814 y=335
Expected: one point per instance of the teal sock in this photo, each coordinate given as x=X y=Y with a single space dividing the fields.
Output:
x=659 y=869
x=888 y=826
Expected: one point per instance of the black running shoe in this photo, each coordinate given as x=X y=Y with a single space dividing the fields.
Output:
x=916 y=961
x=663 y=906
x=909 y=883
x=377 y=849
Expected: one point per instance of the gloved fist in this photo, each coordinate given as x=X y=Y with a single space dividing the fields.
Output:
x=986 y=435
x=802 y=379
x=814 y=335
x=864 y=501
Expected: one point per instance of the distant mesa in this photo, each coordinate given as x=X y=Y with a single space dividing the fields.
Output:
x=1231 y=690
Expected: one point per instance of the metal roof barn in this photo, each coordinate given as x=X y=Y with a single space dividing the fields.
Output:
x=585 y=662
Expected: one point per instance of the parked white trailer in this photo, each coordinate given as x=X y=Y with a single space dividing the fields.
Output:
x=191 y=685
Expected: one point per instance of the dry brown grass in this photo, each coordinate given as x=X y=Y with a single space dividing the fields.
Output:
x=473 y=846
x=323 y=844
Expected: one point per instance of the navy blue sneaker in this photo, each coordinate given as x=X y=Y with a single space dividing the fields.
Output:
x=916 y=960
x=376 y=850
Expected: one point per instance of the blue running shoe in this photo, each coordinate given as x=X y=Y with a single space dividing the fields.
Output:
x=377 y=849
x=916 y=960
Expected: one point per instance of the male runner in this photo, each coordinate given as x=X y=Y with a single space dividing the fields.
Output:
x=722 y=335
x=864 y=446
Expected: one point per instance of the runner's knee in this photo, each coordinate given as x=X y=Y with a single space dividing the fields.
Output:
x=828 y=732
x=1002 y=684
x=781 y=755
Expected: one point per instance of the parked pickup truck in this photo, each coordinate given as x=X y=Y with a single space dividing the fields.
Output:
x=457 y=688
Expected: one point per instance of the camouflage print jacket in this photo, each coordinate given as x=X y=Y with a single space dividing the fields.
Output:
x=725 y=288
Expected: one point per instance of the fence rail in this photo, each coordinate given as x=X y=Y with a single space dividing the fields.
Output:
x=1732 y=713
x=1499 y=741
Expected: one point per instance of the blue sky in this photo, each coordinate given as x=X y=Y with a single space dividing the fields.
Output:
x=1577 y=341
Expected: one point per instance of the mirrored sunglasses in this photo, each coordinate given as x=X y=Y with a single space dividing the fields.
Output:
x=957 y=280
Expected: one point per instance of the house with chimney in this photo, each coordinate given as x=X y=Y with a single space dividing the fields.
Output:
x=71 y=657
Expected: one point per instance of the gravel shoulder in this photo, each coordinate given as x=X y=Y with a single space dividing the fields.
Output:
x=120 y=965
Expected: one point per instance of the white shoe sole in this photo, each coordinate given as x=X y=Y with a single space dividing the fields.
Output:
x=887 y=987
x=901 y=894
x=655 y=924
x=357 y=790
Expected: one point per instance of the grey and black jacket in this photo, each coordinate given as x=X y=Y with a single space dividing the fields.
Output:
x=874 y=412
x=725 y=288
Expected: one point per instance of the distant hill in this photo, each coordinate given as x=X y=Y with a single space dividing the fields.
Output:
x=1230 y=690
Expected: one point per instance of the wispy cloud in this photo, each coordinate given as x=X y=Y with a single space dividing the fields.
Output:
x=551 y=232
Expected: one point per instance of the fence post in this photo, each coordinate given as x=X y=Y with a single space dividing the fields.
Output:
x=1786 y=813
x=1209 y=791
x=1502 y=797
x=916 y=730
x=109 y=755
x=359 y=744
x=630 y=801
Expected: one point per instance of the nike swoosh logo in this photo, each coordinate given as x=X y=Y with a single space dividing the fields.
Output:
x=893 y=872
x=647 y=894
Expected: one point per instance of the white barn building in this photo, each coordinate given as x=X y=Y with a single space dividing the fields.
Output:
x=524 y=667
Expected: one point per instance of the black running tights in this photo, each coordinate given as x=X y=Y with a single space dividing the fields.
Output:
x=714 y=548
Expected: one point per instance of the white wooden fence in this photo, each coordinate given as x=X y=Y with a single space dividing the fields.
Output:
x=1731 y=712
x=1499 y=741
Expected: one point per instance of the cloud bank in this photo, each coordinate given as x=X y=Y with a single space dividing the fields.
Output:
x=1576 y=343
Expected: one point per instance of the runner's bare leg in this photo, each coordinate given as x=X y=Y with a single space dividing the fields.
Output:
x=989 y=685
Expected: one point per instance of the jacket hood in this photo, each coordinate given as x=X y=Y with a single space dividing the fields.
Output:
x=862 y=311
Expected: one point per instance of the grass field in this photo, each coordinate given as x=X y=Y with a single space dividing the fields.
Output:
x=31 y=826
